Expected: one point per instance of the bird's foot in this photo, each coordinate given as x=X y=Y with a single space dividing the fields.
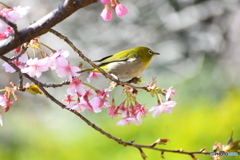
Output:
x=136 y=80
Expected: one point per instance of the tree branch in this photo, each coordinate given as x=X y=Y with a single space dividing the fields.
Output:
x=118 y=140
x=43 y=25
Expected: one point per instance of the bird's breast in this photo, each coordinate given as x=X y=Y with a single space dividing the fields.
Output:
x=133 y=67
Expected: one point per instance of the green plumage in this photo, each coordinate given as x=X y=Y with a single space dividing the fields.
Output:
x=126 y=64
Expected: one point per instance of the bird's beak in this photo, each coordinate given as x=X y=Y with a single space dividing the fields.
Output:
x=155 y=53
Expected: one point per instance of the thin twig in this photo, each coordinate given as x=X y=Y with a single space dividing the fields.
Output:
x=20 y=86
x=56 y=85
x=24 y=49
x=3 y=4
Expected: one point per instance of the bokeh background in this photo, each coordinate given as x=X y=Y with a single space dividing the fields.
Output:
x=199 y=42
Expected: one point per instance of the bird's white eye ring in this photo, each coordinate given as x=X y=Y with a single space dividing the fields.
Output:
x=150 y=52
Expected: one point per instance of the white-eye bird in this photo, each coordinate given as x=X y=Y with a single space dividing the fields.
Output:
x=126 y=64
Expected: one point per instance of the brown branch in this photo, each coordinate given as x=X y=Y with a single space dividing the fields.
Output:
x=3 y=4
x=95 y=127
x=43 y=25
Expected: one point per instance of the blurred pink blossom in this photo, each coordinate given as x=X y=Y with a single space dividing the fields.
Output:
x=169 y=93
x=105 y=1
x=12 y=14
x=6 y=33
x=5 y=102
x=140 y=112
x=121 y=10
x=106 y=13
x=127 y=120
x=93 y=75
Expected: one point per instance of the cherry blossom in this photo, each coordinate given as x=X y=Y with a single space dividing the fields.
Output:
x=165 y=107
x=105 y=1
x=121 y=10
x=76 y=87
x=58 y=59
x=127 y=120
x=6 y=33
x=12 y=14
x=35 y=67
x=67 y=71
x=169 y=92
x=100 y=100
x=106 y=13
x=5 y=102
x=68 y=99
x=140 y=112
x=93 y=75
x=83 y=103
x=79 y=107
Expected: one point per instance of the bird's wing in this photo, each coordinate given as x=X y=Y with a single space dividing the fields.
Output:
x=115 y=58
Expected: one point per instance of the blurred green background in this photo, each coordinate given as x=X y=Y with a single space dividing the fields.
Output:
x=199 y=45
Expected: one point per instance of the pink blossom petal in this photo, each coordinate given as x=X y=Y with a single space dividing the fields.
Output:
x=127 y=120
x=169 y=93
x=58 y=59
x=5 y=33
x=8 y=68
x=96 y=104
x=76 y=87
x=165 y=107
x=77 y=107
x=93 y=75
x=23 y=58
x=67 y=71
x=17 y=13
x=5 y=102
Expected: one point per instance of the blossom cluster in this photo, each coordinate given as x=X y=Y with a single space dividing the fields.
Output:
x=82 y=96
x=34 y=67
x=116 y=6
x=133 y=112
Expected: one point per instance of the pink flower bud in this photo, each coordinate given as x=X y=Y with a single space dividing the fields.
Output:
x=106 y=13
x=121 y=10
